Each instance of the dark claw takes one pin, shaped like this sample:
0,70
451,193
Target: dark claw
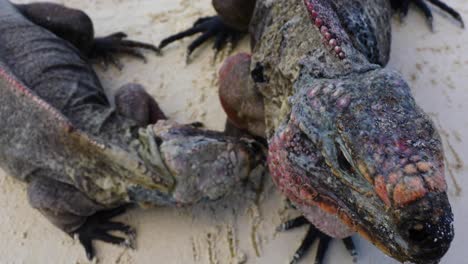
201,20
192,31
427,13
314,234
103,236
443,6
324,242
98,226
198,41
293,223
106,48
311,235
209,27
349,244
197,124
110,59
112,226
118,35
141,45
220,41
132,52
403,6
88,246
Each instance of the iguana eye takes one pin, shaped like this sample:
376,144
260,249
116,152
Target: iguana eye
343,162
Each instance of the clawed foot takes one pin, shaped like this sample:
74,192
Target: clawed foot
312,235
98,226
209,27
105,49
403,5
197,124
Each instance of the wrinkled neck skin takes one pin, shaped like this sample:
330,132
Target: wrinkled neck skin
169,164
143,145
344,133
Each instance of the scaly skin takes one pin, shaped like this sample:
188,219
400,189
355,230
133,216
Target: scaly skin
345,134
80,156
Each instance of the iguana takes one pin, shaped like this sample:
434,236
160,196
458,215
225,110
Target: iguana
348,145
83,160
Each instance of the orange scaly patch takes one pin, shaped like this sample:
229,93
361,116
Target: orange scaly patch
408,190
381,189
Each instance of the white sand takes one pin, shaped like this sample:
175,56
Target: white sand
436,66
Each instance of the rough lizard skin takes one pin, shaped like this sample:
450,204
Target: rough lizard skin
345,134
78,154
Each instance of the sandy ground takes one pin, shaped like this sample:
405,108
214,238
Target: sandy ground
239,229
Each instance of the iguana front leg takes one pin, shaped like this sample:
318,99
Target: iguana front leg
76,27
74,213
232,21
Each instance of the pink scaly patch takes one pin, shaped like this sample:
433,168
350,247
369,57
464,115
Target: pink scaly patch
323,18
319,209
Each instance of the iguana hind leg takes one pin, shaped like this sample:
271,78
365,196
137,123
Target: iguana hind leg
76,27
134,102
74,213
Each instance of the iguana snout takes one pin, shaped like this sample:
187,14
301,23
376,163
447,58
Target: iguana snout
361,149
427,225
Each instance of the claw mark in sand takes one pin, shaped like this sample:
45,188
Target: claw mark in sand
195,255
458,161
255,215
211,254
256,219
457,166
231,241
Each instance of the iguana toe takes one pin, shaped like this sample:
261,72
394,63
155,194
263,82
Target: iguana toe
403,6
106,49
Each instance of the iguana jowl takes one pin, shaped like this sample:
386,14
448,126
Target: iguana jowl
81,157
347,143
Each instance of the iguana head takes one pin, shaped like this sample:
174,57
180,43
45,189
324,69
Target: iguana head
361,149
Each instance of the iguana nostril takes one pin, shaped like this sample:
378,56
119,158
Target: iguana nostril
418,233
428,235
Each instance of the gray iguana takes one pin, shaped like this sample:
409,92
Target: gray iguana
348,146
82,159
